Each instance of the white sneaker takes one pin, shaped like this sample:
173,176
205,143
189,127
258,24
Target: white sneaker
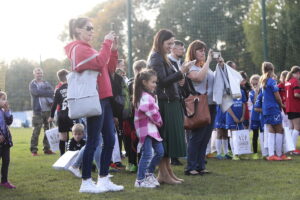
110,175
143,184
106,183
87,186
152,179
75,171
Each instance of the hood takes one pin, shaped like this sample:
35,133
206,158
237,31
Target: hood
70,46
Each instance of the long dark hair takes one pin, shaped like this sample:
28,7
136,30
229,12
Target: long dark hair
158,41
138,86
77,23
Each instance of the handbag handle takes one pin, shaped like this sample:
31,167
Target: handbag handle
196,102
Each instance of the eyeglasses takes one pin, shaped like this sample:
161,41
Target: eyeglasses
89,28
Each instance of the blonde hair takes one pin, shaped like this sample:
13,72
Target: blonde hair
254,77
294,69
77,128
2,93
138,66
267,70
283,76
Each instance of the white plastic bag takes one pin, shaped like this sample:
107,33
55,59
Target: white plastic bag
53,138
66,160
288,143
116,156
241,142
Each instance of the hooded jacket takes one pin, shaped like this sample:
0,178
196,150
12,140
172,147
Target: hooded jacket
104,61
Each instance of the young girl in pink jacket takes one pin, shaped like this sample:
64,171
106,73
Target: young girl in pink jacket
147,119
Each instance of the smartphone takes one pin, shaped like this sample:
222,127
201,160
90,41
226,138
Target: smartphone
112,27
216,54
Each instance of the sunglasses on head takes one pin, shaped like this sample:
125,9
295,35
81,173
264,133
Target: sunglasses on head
89,28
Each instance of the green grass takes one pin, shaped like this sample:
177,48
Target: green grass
37,180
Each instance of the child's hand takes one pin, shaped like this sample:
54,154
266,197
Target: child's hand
236,120
242,120
50,119
6,106
2,139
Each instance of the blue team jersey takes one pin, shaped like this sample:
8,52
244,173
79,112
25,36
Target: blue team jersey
254,114
237,109
269,103
220,120
258,104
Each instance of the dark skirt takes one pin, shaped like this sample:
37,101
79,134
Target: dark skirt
172,130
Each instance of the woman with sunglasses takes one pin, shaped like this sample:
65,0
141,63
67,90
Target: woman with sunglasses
84,57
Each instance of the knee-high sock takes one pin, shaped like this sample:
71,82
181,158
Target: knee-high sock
264,151
271,143
219,146
279,144
295,135
225,145
62,147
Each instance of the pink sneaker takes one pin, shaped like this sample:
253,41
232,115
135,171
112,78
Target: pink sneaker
8,185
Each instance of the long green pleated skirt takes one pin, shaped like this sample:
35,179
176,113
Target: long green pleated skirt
172,130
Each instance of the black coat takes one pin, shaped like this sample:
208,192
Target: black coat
167,88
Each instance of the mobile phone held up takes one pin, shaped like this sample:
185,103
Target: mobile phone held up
216,54
112,27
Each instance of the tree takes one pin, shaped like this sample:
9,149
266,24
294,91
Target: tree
283,26
217,23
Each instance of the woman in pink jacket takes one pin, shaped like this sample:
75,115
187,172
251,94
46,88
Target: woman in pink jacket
84,57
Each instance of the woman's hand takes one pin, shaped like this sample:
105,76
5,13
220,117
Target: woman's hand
209,56
186,66
50,119
220,61
6,106
115,45
110,36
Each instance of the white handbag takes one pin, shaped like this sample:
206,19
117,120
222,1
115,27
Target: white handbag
241,142
82,95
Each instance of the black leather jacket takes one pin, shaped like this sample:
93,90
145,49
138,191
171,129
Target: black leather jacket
167,88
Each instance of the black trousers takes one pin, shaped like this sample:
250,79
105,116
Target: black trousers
5,156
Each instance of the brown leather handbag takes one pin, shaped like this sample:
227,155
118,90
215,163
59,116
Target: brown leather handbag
196,110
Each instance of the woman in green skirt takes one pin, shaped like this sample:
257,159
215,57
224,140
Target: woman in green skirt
171,111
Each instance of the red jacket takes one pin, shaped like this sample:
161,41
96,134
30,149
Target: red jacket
105,63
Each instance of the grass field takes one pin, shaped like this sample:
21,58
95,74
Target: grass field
238,180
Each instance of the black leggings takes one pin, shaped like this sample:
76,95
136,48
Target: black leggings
254,140
5,156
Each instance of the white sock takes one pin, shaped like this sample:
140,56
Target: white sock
231,145
279,144
264,152
271,143
225,146
219,146
295,135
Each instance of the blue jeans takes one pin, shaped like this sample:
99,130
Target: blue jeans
198,140
96,124
148,162
97,156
